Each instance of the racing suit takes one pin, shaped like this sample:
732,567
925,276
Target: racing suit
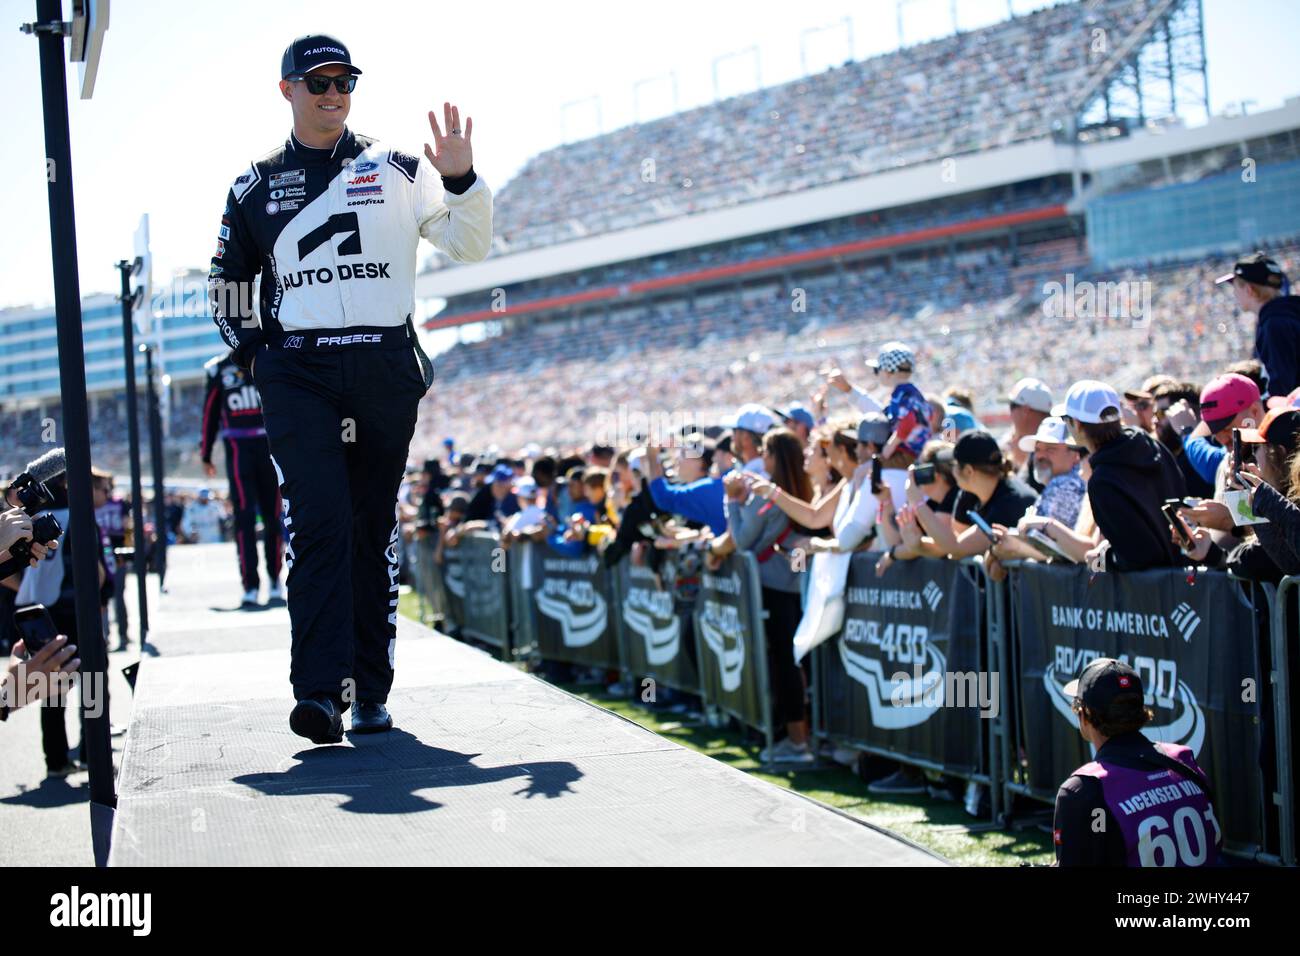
233,408
333,233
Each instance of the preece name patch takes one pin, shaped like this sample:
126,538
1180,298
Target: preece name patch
357,338
324,276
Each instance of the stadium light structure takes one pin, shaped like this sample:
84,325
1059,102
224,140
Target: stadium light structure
636,92
1155,74
846,23
952,15
564,115
758,69
89,21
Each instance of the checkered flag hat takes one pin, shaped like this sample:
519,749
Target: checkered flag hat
893,357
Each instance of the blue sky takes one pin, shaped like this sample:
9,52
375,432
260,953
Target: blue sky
187,92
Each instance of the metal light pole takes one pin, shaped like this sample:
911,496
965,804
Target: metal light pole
50,30
133,440
156,454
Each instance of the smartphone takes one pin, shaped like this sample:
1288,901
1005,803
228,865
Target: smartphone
1236,454
1170,511
1045,545
984,526
35,626
923,474
876,483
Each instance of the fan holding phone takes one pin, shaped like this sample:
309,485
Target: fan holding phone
990,496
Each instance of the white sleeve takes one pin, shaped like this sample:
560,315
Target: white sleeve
862,398
861,520
460,226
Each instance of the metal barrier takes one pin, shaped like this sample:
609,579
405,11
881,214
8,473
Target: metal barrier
731,643
1171,626
1285,621
571,610
656,630
928,617
1038,626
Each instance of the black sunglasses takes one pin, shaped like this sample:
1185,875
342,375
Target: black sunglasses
316,85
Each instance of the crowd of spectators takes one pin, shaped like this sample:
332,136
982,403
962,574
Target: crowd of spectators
1107,443
969,92
982,323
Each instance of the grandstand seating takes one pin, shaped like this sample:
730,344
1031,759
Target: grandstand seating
965,93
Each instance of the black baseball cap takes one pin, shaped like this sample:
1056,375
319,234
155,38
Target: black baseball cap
973,448
1102,682
1257,268
317,49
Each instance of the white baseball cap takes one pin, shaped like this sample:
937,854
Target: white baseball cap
1051,431
1090,401
1031,393
752,417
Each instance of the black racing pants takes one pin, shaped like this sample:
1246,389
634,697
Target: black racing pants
253,489
340,425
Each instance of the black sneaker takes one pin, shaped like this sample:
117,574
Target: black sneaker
67,770
370,718
900,781
318,719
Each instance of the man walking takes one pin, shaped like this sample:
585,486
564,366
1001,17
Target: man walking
233,409
331,219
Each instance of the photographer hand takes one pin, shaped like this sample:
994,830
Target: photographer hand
15,525
16,686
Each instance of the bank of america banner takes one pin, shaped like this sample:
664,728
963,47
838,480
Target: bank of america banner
453,582
1196,648
575,611
656,632
484,599
905,674
729,640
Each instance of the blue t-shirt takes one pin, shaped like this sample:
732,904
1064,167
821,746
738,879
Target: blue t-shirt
909,414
